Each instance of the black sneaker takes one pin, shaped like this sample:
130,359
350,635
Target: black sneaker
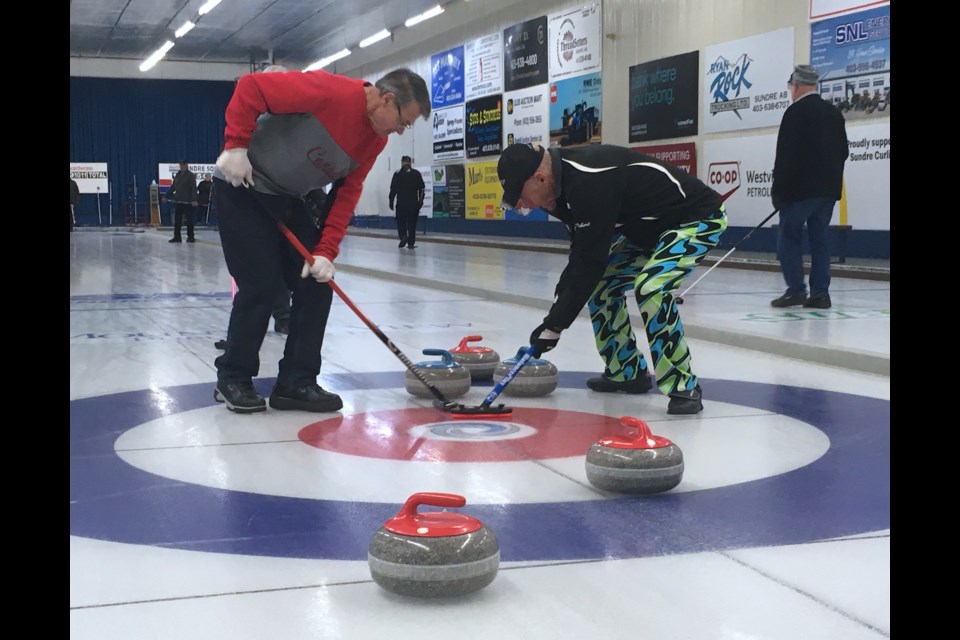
411,246
281,325
686,402
220,344
174,240
402,244
789,300
240,397
819,301
641,384
191,240
305,397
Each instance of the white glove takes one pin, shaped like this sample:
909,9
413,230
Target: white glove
322,269
235,166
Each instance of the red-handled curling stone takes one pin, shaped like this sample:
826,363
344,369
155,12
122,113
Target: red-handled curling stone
434,553
450,377
637,463
481,361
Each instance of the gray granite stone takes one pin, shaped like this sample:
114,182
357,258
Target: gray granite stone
634,470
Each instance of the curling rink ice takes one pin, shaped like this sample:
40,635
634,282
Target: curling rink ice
188,521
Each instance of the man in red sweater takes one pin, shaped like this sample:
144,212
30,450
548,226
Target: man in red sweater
290,135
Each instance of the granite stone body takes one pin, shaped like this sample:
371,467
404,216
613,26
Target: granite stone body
450,377
634,470
538,377
434,567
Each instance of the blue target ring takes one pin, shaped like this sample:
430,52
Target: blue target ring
844,492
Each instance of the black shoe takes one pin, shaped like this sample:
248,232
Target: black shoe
306,397
191,240
411,246
220,344
819,301
686,402
788,300
605,385
240,397
174,240
402,244
281,325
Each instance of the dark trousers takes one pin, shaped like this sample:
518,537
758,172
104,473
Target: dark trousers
182,211
815,213
407,223
258,255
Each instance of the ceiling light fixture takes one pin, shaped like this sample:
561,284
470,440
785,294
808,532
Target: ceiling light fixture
157,56
426,15
377,37
183,30
319,64
210,4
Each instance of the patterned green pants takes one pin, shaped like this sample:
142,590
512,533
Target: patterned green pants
654,278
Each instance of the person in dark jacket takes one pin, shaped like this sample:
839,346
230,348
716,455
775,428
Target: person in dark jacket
634,223
185,196
74,199
407,189
203,197
807,183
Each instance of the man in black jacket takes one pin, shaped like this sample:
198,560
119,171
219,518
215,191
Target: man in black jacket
807,183
634,223
185,196
407,189
74,199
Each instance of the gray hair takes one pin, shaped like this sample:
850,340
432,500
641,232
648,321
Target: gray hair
408,87
274,67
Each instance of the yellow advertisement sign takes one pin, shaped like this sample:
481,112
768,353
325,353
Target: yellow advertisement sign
484,192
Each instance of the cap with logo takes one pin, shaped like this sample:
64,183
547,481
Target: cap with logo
804,74
517,164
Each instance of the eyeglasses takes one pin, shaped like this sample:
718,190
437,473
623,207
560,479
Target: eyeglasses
403,123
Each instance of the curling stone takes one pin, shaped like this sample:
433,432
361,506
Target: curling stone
537,378
450,377
434,553
637,463
481,361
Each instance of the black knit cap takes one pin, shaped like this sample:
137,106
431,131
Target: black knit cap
517,163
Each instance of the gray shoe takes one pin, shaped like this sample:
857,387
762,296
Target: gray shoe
819,301
789,300
642,384
240,397
306,397
686,402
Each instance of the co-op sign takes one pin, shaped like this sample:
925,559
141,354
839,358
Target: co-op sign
724,177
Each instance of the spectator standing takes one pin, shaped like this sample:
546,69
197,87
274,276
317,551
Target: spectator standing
807,183
407,189
185,198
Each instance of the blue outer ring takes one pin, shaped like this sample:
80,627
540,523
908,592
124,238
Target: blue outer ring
844,492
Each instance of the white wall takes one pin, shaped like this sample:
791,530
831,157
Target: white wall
634,31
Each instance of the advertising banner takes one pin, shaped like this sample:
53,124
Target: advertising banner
745,81
427,208
484,192
446,76
526,116
575,111
664,98
525,54
682,154
575,41
852,55
483,58
484,126
91,177
448,132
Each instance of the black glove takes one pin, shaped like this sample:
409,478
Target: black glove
543,340
777,204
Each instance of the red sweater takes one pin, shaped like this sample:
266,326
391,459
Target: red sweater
303,131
